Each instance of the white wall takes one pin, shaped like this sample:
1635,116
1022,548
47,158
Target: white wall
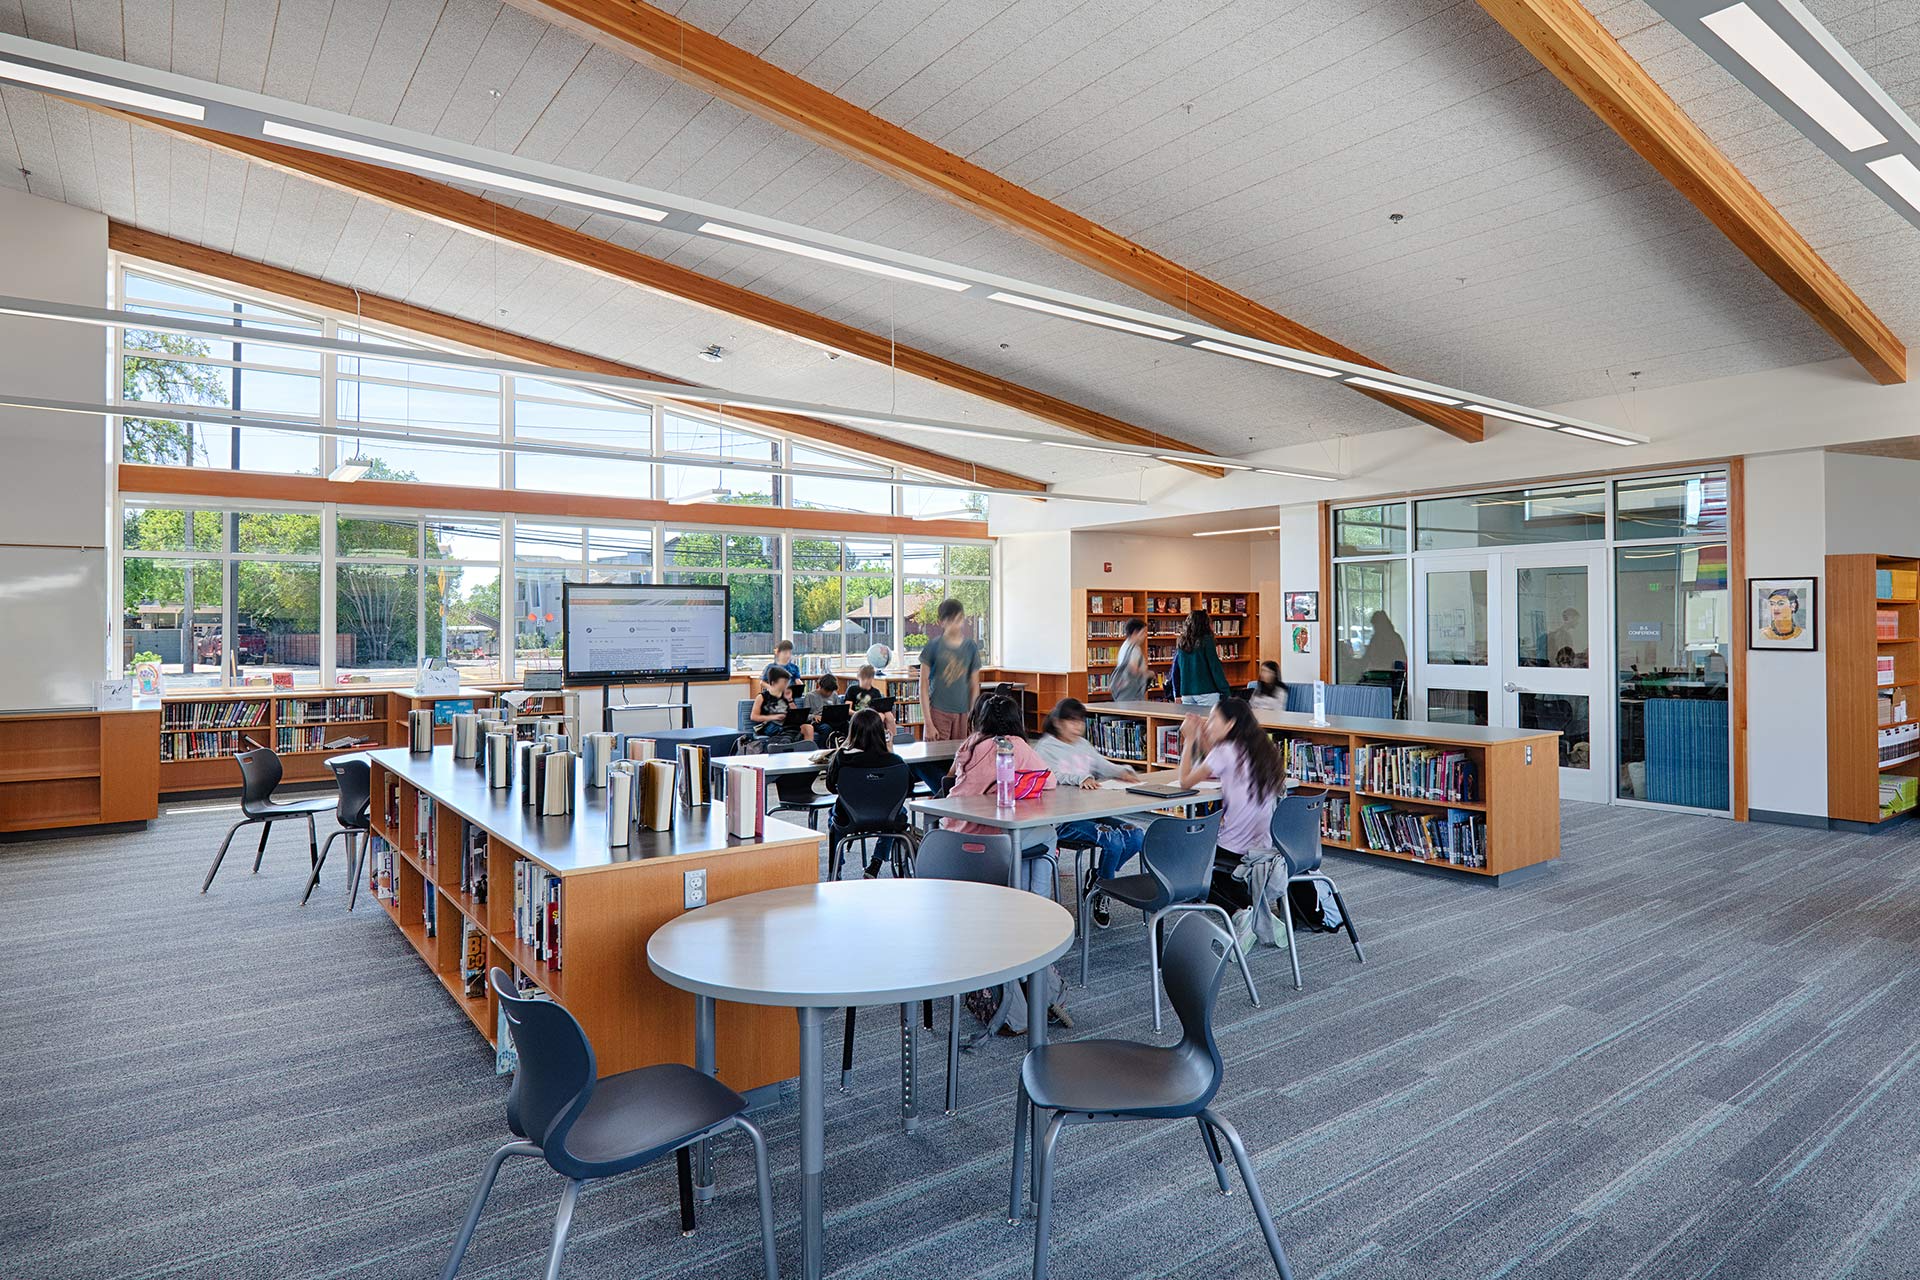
1036,602
55,500
1786,522
1300,571
1872,507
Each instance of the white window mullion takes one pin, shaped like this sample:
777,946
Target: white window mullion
328,639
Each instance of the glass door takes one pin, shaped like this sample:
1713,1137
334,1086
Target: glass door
1455,619
1553,660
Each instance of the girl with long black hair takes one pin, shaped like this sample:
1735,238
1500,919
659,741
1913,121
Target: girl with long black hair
1230,746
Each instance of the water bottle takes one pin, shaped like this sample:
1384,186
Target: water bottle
1003,774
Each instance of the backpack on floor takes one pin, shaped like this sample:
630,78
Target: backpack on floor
1312,903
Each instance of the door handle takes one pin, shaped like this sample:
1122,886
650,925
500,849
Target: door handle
1511,687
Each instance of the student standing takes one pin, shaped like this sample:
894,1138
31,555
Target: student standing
865,748
783,657
949,675
1063,745
1130,673
769,711
1197,672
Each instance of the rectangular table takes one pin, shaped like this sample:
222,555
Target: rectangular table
786,763
1060,805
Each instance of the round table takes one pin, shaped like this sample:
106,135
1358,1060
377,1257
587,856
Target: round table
820,947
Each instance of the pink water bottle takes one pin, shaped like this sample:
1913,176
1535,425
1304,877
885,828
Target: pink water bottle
1003,774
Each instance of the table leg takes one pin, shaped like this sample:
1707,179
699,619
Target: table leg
703,1060
909,1068
1036,1037
813,1143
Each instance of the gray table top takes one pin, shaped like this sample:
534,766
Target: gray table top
813,760
1366,726
576,843
1064,804
860,942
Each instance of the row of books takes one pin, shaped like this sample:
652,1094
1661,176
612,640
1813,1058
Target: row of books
290,739
1896,584
201,745
473,861
1901,742
1103,654
1315,762
390,804
1898,792
1336,820
426,829
1424,773
1170,604
1225,604
1883,669
227,714
1121,737
1099,682
1109,604
1166,744
1456,837
1229,651
325,710
380,870
536,910
1103,629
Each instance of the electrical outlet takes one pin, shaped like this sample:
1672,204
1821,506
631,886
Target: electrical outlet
696,894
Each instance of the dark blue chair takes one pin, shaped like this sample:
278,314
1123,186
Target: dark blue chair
1103,1081
260,775
1296,834
587,1128
354,812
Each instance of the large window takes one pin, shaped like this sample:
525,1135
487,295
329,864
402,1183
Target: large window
749,565
933,572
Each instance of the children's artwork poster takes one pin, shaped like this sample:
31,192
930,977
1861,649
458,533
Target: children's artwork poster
1302,639
1303,606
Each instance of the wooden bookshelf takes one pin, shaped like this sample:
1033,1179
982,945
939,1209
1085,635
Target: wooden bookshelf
611,899
1039,689
1871,621
1236,625
1517,775
78,769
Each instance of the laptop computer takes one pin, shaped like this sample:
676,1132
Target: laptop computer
795,717
1162,790
835,715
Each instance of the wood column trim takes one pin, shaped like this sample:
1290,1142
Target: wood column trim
693,56
154,247
1737,625
1570,42
448,204
255,486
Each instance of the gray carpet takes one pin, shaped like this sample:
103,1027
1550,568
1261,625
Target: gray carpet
1688,1052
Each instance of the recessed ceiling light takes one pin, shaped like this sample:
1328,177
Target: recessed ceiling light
60,82
1748,35
743,236
1394,389
1090,317
1511,416
1241,353
1902,175
474,174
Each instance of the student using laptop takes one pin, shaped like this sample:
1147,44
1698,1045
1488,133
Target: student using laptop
774,716
866,692
825,691
1063,745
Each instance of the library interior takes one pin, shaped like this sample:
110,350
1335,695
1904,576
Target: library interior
858,617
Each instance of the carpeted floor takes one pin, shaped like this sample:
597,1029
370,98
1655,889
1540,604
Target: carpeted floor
1689,1051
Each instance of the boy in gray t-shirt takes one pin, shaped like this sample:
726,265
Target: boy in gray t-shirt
949,676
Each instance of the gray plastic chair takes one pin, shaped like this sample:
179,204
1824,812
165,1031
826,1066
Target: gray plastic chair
947,855
354,812
1296,834
874,805
1102,1081
1177,874
259,775
590,1128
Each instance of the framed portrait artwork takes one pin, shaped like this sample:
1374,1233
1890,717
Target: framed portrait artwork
1303,606
1785,614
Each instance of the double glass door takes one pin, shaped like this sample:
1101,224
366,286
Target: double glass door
1512,639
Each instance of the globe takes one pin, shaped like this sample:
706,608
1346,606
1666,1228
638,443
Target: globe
879,655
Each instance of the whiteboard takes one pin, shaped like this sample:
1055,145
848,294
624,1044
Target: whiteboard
53,627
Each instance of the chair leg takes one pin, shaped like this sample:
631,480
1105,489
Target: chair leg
313,881
1226,922
1017,1199
1086,930
1346,919
1293,943
360,841
261,852
313,842
953,1055
220,857
480,1201
770,1259
1240,1158
1153,953
562,1223
683,1162
926,1014
1213,1155
1043,1217
846,1054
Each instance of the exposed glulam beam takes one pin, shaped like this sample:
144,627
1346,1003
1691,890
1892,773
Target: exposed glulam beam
703,60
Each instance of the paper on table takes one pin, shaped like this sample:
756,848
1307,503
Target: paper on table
1211,784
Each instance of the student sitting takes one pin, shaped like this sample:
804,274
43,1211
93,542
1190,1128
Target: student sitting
866,747
1063,745
769,712
1269,692
1229,745
997,719
825,690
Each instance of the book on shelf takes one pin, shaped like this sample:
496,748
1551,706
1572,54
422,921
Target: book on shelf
1100,629
1225,604
380,881
390,804
1103,654
1099,682
1418,773
1121,737
232,713
1898,793
1316,762
1883,668
1896,584
1336,818
473,862
536,910
1166,744
1886,624
324,710
430,911
425,830
201,744
473,959
1892,707
746,802
1900,742
1455,837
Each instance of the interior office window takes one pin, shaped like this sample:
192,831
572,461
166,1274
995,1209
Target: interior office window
1674,645
1371,611
1517,517
552,412
1377,530
1682,506
1550,626
819,493
1456,618
700,440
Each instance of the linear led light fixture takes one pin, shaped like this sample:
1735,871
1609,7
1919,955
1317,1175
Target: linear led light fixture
957,513
1374,384
98,90
1222,533
354,468
362,431
1604,437
699,495
1791,62
244,114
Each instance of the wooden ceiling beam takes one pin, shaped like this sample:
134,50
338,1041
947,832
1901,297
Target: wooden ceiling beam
1570,42
696,57
450,205
322,293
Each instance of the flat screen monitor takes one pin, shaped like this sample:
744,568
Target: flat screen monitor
639,632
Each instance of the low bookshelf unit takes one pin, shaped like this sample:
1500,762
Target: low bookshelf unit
1872,638
475,879
1236,631
1484,802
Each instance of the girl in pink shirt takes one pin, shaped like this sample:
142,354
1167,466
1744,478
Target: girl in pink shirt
997,717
